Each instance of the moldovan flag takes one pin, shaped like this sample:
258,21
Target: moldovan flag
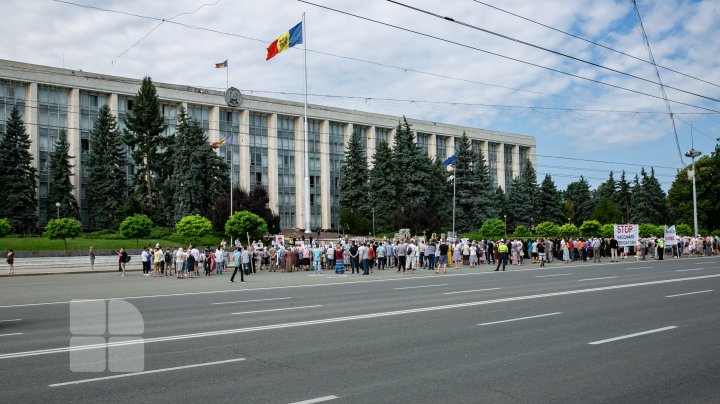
286,40
221,64
219,143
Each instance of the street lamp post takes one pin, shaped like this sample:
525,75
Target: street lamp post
505,216
373,211
692,154
57,205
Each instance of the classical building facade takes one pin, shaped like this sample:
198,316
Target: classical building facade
265,135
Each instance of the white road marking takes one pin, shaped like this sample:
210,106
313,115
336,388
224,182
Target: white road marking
469,291
147,372
595,279
637,268
691,293
8,335
686,270
282,309
548,276
424,286
316,400
521,318
341,319
637,334
256,300
7,321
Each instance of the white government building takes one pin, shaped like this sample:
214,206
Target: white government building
269,150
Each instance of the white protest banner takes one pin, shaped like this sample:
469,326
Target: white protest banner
626,234
670,235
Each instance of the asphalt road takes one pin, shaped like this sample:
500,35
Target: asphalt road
641,332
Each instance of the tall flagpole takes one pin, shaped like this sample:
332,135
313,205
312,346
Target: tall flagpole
229,145
305,128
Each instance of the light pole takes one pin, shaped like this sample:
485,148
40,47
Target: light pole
692,154
373,222
505,216
57,205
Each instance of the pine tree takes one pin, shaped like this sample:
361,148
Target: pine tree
655,201
549,203
528,180
60,189
353,178
639,206
578,193
144,136
383,187
622,198
607,189
501,202
467,197
518,202
415,186
106,175
199,176
487,207
18,178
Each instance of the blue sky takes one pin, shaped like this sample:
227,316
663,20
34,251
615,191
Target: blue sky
349,63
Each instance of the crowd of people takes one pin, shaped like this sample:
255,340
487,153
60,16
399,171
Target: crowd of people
406,256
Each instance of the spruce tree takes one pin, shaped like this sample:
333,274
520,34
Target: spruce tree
199,176
106,172
487,207
382,187
655,199
468,199
415,186
60,189
622,198
607,189
353,178
518,202
639,205
578,193
145,125
550,206
18,178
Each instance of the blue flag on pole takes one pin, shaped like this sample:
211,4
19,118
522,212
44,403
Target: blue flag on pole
450,160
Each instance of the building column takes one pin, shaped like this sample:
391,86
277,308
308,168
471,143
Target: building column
432,145
501,165
484,147
325,209
299,173
449,146
391,137
244,142
371,146
73,135
31,118
347,135
214,125
113,104
273,186
516,160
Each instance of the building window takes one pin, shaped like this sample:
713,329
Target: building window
286,170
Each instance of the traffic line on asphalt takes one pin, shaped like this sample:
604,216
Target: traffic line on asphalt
521,318
691,293
627,269
7,321
341,319
11,334
423,286
281,309
317,400
691,269
548,276
596,279
637,334
147,372
469,291
256,300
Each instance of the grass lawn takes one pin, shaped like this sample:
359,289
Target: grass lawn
42,243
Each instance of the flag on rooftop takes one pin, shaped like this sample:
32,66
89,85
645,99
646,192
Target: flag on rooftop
287,40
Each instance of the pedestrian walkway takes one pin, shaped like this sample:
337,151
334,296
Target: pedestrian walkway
67,265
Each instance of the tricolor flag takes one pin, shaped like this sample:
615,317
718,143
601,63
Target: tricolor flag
220,143
221,64
286,40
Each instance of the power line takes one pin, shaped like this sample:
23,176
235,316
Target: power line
660,83
499,55
594,43
532,45
405,69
